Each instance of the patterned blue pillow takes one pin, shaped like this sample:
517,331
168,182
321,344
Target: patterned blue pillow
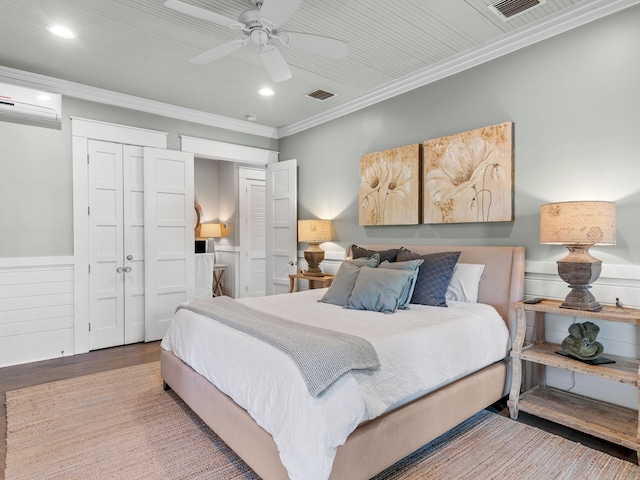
434,276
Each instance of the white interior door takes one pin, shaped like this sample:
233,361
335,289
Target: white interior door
252,237
169,236
116,218
133,234
281,225
106,278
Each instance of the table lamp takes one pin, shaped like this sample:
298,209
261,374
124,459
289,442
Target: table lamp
210,231
578,226
314,232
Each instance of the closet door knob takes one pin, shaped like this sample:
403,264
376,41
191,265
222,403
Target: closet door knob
127,269
129,257
119,269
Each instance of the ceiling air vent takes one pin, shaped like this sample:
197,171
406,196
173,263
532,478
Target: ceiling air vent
507,9
320,95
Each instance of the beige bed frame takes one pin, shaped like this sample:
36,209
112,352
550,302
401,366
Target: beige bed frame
378,443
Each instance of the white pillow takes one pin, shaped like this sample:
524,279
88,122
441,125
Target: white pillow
464,283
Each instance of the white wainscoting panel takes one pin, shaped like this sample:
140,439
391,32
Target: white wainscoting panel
36,309
230,256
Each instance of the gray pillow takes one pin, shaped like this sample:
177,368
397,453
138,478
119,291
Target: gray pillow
380,289
410,265
434,276
371,261
389,255
342,285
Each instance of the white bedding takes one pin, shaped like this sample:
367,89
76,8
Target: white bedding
420,350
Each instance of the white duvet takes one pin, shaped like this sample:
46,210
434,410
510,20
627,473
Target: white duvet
420,350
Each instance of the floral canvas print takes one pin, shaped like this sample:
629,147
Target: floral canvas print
468,177
389,187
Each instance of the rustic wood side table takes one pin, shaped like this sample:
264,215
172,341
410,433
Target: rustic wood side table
325,280
611,422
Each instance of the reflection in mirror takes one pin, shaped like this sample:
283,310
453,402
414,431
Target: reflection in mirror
197,219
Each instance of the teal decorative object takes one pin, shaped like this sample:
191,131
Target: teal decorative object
581,342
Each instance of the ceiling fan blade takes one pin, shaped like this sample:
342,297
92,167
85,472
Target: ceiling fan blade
217,52
278,11
275,64
198,12
329,47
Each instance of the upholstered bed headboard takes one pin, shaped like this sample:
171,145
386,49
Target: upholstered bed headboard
502,282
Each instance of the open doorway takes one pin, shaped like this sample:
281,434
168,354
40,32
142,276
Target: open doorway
234,195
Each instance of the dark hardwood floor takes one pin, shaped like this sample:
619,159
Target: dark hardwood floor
21,376
568,433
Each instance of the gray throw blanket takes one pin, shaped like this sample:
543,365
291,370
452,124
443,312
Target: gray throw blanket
322,356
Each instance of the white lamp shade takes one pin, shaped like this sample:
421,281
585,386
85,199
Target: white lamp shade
578,223
314,231
210,230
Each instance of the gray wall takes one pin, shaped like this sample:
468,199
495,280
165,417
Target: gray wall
228,208
36,184
206,188
217,192
575,103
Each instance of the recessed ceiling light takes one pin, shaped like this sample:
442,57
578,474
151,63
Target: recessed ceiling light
266,92
61,31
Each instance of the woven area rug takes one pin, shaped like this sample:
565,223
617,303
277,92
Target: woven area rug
121,425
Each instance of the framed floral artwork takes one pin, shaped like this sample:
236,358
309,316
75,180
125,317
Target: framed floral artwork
390,187
468,177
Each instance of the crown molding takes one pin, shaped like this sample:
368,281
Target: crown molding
108,97
576,16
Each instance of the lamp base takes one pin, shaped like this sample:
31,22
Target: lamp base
314,255
579,269
580,298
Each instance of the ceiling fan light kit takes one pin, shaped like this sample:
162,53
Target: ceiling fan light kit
260,26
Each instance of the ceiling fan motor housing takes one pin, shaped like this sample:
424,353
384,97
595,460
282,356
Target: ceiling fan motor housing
258,32
251,18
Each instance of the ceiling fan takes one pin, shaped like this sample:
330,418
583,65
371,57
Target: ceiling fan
261,28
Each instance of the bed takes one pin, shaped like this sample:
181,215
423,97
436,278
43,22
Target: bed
384,433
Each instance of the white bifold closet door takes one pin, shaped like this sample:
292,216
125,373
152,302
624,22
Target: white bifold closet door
169,237
116,244
124,308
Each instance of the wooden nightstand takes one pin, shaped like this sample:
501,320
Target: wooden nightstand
601,419
324,280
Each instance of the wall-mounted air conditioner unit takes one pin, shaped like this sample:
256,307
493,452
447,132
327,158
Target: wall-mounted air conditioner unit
31,107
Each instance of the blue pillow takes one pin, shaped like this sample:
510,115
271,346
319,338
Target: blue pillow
342,285
434,276
411,265
380,289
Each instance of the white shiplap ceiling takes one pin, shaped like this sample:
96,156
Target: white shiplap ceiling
135,53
